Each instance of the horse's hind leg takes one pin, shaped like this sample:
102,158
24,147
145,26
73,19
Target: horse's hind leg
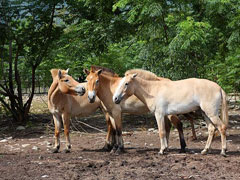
222,129
66,124
213,122
57,123
178,124
189,117
194,136
211,131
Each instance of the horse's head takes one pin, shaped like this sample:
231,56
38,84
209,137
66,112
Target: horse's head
66,83
92,83
125,88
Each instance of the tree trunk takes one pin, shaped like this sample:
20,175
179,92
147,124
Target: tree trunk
27,105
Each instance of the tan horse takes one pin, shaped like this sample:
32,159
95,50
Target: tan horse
63,103
178,97
144,74
103,86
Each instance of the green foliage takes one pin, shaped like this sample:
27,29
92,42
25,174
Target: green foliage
28,29
175,39
189,48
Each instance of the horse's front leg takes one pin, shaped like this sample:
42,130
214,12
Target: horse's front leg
110,140
57,124
66,124
119,147
162,132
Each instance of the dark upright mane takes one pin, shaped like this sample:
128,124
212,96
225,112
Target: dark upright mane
105,70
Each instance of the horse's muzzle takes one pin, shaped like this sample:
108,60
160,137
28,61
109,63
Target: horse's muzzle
91,96
117,100
80,90
91,100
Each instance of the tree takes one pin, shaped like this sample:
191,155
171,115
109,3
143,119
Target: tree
28,28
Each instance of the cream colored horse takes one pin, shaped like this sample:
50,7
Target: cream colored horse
64,102
179,97
144,74
103,86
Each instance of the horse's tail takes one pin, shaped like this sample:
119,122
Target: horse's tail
224,109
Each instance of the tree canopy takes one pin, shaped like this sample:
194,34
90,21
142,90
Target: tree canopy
174,39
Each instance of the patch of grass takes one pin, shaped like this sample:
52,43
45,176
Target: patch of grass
39,105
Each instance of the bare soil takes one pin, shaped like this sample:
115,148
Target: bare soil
26,154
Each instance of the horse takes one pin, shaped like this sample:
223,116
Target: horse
153,77
64,102
103,86
179,97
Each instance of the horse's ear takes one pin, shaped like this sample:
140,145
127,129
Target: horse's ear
86,71
59,74
54,73
99,71
67,70
134,75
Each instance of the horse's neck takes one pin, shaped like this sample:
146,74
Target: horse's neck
52,89
105,89
53,93
142,90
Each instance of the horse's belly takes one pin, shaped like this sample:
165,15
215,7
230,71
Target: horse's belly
82,111
181,108
134,107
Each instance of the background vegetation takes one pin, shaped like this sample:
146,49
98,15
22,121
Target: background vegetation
174,39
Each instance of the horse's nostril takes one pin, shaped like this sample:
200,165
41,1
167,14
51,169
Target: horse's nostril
116,98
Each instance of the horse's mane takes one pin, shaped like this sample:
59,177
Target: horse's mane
144,74
54,72
105,70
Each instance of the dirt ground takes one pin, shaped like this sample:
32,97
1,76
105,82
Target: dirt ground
26,154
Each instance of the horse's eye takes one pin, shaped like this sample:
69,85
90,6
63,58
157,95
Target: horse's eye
97,81
126,84
66,80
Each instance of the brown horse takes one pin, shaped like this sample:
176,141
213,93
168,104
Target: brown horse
63,103
179,97
103,86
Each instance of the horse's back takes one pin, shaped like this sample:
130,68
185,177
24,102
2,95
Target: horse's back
191,91
204,87
196,84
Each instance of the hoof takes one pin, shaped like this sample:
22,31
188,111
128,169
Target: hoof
162,152
107,147
223,153
114,149
204,152
182,151
55,150
119,151
66,151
